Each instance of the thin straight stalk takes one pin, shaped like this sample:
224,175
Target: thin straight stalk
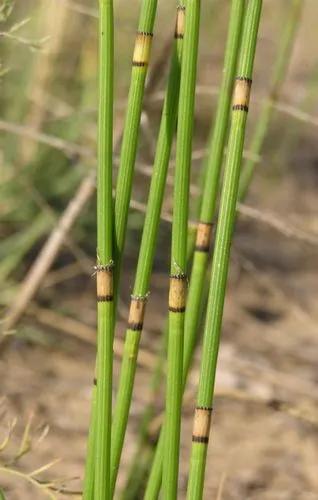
88,487
146,252
145,450
220,262
100,434
141,57
201,243
211,183
178,279
278,77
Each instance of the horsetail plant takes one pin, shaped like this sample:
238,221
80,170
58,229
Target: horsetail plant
141,56
279,73
140,61
146,252
220,262
208,203
145,449
178,279
100,434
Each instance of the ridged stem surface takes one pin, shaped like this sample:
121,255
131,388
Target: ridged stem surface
178,280
100,432
220,263
140,62
146,253
208,203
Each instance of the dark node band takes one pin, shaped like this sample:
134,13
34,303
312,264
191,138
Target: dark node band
205,408
95,381
244,79
240,107
200,439
181,7
202,248
139,63
106,267
178,276
105,298
145,33
203,223
177,309
135,327
178,36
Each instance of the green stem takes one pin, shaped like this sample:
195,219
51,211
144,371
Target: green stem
140,63
88,487
145,449
100,434
220,263
208,204
277,81
146,257
179,249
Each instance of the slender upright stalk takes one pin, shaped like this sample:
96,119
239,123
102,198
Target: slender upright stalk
208,202
146,252
278,77
102,406
211,183
128,152
88,487
145,450
141,56
220,263
178,279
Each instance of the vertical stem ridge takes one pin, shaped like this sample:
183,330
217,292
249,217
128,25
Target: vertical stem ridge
222,248
100,432
146,253
207,210
178,280
140,61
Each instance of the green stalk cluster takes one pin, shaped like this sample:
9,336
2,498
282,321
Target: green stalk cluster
220,263
146,252
208,204
278,77
140,62
178,280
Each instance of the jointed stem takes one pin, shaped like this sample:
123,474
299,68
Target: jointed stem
178,280
141,57
100,432
201,247
221,255
146,253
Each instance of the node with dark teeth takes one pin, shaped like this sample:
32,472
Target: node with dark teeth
203,237
137,313
201,426
179,31
242,91
177,293
104,280
142,49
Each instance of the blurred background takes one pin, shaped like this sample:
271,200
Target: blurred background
264,435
